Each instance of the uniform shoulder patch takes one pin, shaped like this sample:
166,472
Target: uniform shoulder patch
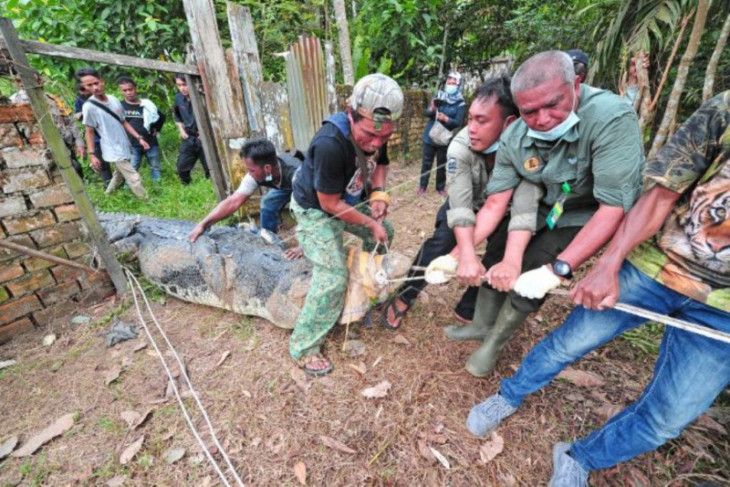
452,164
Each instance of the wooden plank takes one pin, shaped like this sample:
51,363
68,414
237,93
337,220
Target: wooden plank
206,138
228,117
61,155
331,86
246,52
277,121
78,53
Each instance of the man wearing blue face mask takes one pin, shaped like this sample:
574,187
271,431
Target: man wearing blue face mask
470,160
580,148
264,167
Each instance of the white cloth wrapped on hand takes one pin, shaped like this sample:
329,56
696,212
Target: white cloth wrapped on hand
535,284
441,269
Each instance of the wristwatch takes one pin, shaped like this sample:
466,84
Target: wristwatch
562,269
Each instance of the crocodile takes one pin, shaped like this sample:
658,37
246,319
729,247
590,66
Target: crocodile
237,270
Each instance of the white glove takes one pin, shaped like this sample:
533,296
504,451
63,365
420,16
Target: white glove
536,283
441,269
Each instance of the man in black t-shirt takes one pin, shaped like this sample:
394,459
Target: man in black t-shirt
263,168
341,186
191,148
143,115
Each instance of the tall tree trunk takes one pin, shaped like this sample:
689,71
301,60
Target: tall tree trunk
707,91
642,104
344,34
443,52
670,113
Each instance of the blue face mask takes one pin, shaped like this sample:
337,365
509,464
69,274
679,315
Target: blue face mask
559,130
451,89
492,148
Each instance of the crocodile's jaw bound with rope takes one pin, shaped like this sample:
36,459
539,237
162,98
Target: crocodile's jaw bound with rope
226,267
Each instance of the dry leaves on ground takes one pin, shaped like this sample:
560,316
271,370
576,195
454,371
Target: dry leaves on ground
173,455
112,375
401,340
380,390
440,457
360,367
300,471
223,358
426,452
59,427
336,445
131,451
491,448
8,446
581,377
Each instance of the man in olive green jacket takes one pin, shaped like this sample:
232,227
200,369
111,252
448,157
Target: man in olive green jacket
579,148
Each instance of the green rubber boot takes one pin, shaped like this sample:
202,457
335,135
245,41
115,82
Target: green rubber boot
482,361
488,304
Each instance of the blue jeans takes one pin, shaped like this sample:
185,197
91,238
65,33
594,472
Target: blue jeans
689,373
153,158
271,205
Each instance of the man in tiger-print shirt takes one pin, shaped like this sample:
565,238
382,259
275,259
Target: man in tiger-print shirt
683,271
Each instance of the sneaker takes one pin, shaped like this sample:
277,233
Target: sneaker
566,471
486,416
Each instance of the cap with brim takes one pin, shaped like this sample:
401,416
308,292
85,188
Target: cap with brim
376,92
578,56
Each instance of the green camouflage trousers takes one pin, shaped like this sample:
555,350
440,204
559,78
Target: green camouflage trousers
321,239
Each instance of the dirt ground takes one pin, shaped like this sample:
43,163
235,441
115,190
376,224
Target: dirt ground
273,422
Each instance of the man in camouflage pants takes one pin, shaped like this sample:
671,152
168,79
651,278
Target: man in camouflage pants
345,166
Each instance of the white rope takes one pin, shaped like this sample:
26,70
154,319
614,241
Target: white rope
184,374
663,319
367,202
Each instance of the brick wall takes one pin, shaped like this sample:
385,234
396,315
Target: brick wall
37,211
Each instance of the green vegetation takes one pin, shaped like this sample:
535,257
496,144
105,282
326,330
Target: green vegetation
109,425
34,470
645,338
412,40
169,198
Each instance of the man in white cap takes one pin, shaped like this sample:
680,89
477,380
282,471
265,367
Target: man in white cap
341,186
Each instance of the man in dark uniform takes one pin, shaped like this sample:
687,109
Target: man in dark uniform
191,148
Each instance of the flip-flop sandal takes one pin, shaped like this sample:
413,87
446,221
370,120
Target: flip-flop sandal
306,361
396,312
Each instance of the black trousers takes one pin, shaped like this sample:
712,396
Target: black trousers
106,171
542,249
428,152
440,243
191,150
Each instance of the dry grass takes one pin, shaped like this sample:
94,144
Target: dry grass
268,419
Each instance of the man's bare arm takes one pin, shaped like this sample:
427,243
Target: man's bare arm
599,289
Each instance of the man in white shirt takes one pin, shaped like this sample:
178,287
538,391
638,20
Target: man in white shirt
104,113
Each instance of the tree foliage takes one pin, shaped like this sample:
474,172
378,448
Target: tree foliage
404,38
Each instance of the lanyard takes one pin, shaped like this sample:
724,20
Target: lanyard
557,210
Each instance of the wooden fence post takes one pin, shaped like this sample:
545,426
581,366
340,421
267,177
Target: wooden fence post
53,139
246,53
227,115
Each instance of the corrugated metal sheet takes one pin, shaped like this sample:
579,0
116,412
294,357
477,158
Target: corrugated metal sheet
307,87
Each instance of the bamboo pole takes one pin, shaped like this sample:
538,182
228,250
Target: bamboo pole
60,153
46,256
670,112
709,84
